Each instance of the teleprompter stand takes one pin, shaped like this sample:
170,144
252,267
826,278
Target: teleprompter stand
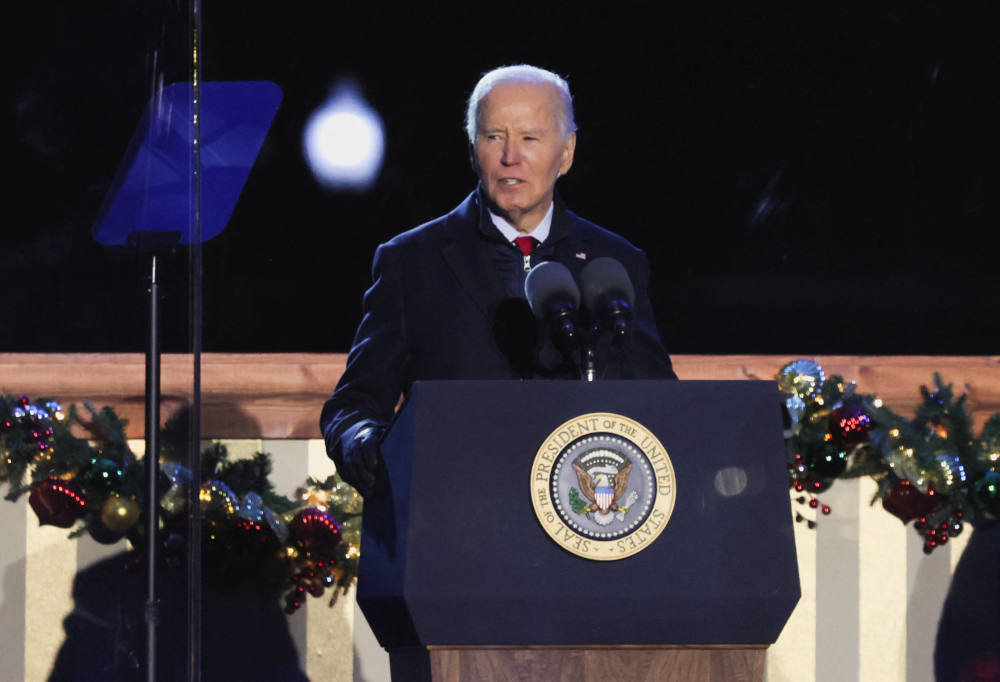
455,562
177,186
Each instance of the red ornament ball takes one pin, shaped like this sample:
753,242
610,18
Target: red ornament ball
905,501
57,502
317,532
849,424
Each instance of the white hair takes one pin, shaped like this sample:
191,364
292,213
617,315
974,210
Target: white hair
520,73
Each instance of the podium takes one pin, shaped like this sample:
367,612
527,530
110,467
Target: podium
456,562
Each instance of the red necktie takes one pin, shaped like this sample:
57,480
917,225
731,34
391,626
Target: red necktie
526,244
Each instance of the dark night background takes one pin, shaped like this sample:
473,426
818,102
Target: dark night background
804,179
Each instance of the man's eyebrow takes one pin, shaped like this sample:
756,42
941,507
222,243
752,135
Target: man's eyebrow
533,132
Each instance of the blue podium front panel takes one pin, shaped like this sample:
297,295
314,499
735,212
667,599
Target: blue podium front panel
453,553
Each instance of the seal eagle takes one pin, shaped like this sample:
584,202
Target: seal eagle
602,489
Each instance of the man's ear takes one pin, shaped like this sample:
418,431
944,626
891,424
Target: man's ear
569,147
472,159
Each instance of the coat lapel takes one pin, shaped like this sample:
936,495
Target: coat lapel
466,251
572,249
467,254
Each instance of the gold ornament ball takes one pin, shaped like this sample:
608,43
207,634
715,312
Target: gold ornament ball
119,513
4,460
174,501
904,464
351,531
345,498
803,378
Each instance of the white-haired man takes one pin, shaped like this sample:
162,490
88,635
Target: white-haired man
447,299
522,135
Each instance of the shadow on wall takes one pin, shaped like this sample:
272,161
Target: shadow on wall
245,634
968,638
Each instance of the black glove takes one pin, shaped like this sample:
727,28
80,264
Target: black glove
362,458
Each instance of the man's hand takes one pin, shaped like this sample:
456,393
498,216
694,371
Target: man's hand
361,460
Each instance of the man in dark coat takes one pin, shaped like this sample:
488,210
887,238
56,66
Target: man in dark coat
447,299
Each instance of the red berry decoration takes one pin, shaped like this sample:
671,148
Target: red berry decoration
850,424
817,485
57,503
317,532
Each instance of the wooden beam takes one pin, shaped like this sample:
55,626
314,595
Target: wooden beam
279,395
894,378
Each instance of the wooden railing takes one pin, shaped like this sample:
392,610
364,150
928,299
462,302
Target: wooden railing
279,395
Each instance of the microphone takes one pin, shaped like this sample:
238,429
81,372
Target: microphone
554,297
608,294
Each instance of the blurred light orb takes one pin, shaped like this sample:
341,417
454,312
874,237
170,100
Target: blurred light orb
344,141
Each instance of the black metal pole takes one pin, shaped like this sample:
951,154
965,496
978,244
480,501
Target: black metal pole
194,575
152,458
589,362
194,463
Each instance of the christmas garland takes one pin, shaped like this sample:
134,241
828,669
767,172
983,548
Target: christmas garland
930,469
250,535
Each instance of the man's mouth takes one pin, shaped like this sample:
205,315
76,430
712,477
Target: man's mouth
509,181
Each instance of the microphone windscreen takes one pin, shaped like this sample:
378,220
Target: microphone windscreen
547,281
603,276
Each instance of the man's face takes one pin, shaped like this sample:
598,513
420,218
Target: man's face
520,150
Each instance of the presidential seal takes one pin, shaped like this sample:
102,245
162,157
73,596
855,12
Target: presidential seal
602,486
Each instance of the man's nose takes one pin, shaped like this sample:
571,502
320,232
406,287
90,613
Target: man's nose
511,153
